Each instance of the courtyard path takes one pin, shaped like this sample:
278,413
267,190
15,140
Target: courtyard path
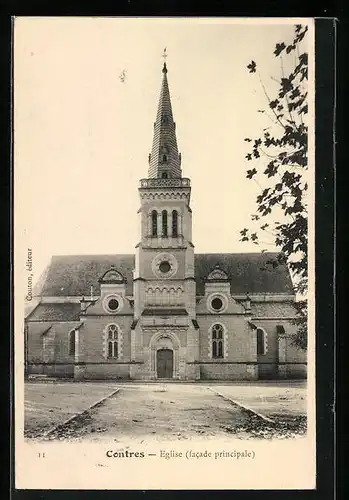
161,411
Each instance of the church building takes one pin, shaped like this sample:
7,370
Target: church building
164,312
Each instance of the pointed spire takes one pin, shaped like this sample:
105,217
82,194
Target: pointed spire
164,160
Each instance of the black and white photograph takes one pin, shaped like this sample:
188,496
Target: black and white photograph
164,253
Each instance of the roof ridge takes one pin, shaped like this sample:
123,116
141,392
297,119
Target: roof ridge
111,255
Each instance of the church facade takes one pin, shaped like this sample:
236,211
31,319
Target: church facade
164,312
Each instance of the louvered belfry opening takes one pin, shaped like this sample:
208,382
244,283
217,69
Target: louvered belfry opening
165,161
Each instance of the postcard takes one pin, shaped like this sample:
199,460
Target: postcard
164,182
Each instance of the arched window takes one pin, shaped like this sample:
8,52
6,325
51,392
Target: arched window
72,343
164,223
280,330
112,341
164,175
164,158
154,223
175,223
217,341
260,341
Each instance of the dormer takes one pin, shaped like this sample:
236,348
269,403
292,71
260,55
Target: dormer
113,290
218,299
217,280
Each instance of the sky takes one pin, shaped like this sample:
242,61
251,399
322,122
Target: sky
82,136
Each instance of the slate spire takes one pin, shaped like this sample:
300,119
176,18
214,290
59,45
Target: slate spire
164,160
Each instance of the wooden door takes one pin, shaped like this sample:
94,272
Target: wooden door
164,363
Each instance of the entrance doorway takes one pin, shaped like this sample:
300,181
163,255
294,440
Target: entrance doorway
164,363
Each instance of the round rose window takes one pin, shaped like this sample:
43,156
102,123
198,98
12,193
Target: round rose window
165,267
217,304
113,304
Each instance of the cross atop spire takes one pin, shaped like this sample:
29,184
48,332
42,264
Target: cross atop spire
164,160
164,55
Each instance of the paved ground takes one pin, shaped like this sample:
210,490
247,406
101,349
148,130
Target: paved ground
272,399
47,405
163,411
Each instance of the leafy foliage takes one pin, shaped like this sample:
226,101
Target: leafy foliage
280,156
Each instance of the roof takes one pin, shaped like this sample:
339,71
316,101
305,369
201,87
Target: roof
56,312
273,309
247,272
73,275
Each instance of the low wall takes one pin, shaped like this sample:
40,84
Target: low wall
296,370
228,371
51,370
268,371
106,371
194,371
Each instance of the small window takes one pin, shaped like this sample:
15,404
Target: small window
154,223
113,304
164,175
217,303
164,223
217,341
72,343
164,158
260,341
165,267
280,330
175,223
112,340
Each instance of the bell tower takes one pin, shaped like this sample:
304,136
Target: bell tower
165,194
164,281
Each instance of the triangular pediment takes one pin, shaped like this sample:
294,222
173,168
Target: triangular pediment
217,274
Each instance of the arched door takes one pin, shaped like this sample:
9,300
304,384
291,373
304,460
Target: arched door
164,363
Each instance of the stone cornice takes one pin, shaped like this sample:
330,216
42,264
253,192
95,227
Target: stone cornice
165,195
254,298
273,318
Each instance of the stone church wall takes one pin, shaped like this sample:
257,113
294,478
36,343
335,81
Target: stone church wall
35,340
93,337
295,360
93,348
237,347
268,362
48,353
